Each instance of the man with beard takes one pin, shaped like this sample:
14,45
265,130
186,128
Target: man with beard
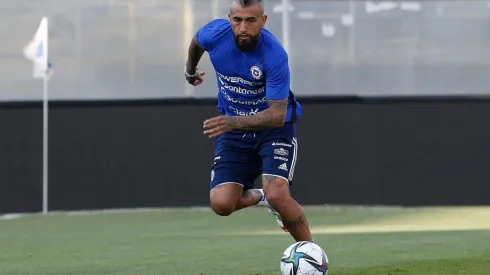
255,133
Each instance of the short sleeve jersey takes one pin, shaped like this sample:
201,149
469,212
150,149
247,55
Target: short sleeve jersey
247,80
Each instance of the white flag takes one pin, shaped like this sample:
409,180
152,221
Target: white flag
37,51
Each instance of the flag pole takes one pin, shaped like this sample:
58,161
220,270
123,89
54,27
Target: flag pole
37,51
45,145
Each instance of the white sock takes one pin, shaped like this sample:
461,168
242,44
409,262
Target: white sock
263,201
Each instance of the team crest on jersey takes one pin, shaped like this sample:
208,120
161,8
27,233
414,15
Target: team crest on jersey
256,72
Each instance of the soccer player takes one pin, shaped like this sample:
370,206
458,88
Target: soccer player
255,133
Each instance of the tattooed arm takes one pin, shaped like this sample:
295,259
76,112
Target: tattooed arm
272,117
277,94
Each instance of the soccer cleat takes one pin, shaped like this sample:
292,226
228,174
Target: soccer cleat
278,219
263,202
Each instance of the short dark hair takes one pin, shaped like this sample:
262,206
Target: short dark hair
247,3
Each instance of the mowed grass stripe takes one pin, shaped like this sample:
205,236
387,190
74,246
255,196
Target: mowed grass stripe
198,242
415,220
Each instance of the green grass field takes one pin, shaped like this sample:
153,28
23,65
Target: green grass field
367,241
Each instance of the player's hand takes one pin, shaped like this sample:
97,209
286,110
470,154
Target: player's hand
196,80
219,125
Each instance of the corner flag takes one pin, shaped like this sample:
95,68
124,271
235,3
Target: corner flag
37,51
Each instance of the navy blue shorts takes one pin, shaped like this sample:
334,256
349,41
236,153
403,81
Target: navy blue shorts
241,157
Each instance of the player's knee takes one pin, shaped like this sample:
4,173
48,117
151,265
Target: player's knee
277,199
222,208
224,198
277,193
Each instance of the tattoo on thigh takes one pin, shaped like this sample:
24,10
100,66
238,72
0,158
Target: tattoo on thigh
297,222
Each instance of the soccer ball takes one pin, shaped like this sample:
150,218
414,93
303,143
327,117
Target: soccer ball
304,258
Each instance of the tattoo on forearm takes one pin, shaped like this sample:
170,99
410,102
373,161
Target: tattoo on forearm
270,118
296,223
279,104
261,120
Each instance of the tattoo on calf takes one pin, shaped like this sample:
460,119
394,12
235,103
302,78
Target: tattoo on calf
270,179
249,193
296,223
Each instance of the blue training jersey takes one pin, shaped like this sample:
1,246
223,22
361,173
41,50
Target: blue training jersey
246,80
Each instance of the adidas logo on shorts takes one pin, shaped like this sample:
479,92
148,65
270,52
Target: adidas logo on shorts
283,167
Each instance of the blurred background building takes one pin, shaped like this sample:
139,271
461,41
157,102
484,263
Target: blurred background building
115,49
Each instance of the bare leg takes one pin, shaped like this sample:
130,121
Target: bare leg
249,198
276,191
224,198
229,197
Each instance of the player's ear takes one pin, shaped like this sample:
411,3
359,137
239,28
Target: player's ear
264,20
